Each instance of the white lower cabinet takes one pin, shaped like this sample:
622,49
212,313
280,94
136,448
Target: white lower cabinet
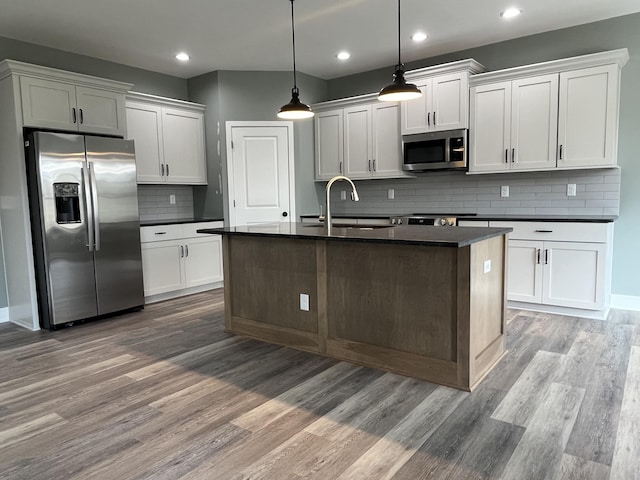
177,261
552,264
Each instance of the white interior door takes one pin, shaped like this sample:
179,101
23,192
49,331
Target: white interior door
260,172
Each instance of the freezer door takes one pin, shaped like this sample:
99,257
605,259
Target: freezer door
118,261
63,257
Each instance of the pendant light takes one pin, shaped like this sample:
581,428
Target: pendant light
399,89
295,109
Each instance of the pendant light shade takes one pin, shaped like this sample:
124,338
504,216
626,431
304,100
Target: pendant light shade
399,90
295,109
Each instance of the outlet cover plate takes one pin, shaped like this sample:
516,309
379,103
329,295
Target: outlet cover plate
304,302
571,189
504,191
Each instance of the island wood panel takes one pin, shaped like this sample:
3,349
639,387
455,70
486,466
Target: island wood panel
400,297
486,306
267,276
410,309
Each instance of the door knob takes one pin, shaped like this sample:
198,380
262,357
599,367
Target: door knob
284,214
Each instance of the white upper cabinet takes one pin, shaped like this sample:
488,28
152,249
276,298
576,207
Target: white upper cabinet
361,140
588,117
444,104
170,139
66,101
565,117
514,125
329,126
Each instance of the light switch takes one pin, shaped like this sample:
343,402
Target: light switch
304,302
487,266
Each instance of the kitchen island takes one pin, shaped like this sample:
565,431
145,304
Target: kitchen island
423,301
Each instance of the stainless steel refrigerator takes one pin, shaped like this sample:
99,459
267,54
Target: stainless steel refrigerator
85,225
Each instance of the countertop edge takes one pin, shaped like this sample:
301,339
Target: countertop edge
494,232
178,221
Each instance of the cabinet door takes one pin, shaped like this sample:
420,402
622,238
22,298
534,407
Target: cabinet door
534,123
48,104
450,102
162,267
357,141
144,126
387,155
574,274
203,260
183,141
100,111
588,117
490,130
329,144
525,271
414,112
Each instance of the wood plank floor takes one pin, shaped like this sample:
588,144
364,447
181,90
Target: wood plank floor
166,394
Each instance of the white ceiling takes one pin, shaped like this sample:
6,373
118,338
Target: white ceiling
256,34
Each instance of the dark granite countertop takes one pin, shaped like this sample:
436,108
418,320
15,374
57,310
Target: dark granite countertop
153,223
495,217
413,235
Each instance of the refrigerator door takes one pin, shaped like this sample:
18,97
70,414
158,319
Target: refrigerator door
66,269
118,261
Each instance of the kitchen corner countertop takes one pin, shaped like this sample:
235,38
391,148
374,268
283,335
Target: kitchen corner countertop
153,223
489,217
454,237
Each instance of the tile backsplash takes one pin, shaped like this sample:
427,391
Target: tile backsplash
530,193
153,202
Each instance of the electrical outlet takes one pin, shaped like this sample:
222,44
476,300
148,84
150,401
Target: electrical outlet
504,191
304,302
571,190
391,194
343,194
487,266
172,199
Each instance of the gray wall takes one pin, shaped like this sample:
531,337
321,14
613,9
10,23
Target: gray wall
595,37
253,96
143,80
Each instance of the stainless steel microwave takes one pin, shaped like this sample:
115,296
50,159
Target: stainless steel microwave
435,151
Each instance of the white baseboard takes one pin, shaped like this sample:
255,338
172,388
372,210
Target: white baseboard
625,302
4,315
181,293
571,312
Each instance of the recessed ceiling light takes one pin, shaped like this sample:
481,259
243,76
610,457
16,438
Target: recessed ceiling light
183,57
419,37
343,55
511,12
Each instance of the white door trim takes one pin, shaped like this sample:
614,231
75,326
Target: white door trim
229,125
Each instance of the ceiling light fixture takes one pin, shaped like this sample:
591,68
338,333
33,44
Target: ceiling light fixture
295,109
511,12
343,55
183,57
419,37
399,90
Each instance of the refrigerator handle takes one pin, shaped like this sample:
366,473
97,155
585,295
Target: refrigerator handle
96,212
88,208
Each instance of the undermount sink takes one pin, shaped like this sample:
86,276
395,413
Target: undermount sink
353,226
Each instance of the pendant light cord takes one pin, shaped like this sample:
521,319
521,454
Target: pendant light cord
399,59
293,38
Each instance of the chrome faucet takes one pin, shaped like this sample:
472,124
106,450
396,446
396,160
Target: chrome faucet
354,197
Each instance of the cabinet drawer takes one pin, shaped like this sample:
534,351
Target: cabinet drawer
558,231
160,232
473,223
190,229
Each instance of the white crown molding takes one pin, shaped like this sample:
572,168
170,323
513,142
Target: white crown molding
468,65
620,57
163,101
12,67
